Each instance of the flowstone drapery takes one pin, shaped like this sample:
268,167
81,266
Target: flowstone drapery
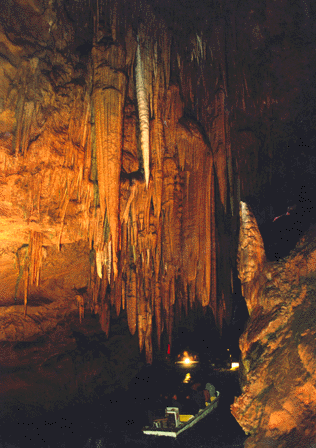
136,129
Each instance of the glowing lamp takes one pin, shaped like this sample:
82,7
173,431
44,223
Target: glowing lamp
234,365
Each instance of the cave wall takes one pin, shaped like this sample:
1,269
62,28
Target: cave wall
277,406
128,134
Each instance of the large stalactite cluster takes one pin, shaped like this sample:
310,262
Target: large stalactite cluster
118,125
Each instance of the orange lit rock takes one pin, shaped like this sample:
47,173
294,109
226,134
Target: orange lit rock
278,401
76,218
72,170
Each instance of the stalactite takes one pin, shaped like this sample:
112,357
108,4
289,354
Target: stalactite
71,183
126,212
99,260
158,314
29,258
95,284
105,305
26,288
181,207
141,312
157,193
118,293
190,243
205,268
123,294
125,265
213,293
63,214
170,324
36,243
172,292
164,230
219,145
143,110
148,339
109,84
229,163
184,294
105,318
156,135
19,119
131,301
165,302
80,118
154,244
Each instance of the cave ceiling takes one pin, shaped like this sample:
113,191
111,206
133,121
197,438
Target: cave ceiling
129,132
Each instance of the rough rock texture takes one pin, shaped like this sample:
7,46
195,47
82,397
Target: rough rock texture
224,90
278,347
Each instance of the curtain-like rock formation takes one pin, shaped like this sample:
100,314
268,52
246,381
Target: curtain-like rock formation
278,402
72,136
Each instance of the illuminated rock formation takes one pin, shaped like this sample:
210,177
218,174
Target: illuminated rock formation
93,220
278,402
73,172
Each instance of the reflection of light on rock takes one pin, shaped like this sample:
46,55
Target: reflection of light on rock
187,378
234,365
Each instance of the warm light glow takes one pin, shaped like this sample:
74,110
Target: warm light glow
187,378
187,359
235,365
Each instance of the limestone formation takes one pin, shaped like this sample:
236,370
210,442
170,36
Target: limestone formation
129,133
278,347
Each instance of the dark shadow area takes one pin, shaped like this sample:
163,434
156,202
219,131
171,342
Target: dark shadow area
285,207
